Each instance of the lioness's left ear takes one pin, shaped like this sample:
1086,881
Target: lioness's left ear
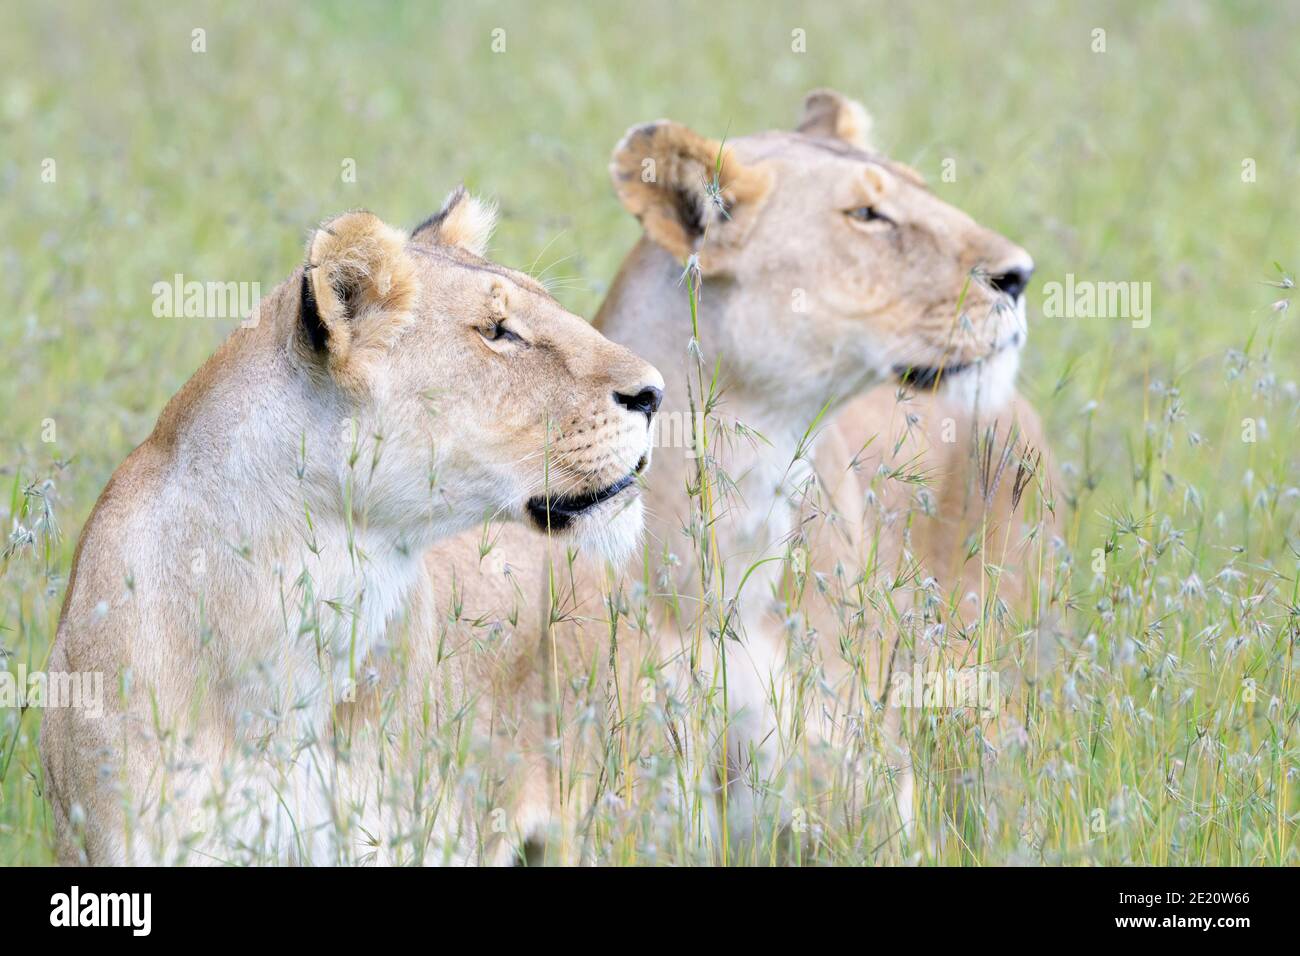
835,116
358,289
464,220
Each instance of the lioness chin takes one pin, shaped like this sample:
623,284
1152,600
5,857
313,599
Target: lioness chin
827,271
251,553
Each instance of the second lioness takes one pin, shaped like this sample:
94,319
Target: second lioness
826,269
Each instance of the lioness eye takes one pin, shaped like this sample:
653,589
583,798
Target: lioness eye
498,332
868,214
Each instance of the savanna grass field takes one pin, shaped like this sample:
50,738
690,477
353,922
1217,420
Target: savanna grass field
1150,144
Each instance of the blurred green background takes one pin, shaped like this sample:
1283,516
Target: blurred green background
1122,165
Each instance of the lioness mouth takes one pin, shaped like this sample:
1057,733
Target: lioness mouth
555,514
927,376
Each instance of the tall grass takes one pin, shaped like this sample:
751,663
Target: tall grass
1166,732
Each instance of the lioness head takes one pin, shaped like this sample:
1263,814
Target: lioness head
471,391
812,239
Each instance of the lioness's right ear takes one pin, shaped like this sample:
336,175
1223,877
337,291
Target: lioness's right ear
832,115
464,220
684,187
358,288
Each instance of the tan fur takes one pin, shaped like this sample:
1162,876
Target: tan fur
261,543
799,305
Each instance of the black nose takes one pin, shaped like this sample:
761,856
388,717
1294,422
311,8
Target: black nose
1013,281
645,401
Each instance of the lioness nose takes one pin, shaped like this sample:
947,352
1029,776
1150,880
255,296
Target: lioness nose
645,401
1013,281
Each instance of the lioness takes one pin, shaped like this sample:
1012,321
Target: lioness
826,269
251,553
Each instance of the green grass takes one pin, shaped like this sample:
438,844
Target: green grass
1122,165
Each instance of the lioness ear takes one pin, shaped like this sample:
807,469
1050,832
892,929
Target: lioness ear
684,188
358,287
464,220
835,116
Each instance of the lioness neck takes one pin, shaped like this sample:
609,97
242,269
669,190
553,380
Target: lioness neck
648,310
256,530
